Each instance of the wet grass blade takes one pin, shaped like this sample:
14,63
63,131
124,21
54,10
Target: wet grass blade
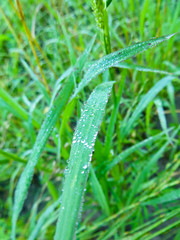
148,97
80,157
123,155
141,68
43,135
112,59
98,193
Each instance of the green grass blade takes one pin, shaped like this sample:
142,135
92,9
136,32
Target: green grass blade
58,83
43,135
15,107
110,130
160,220
148,167
141,68
123,155
169,228
112,59
14,157
171,95
148,97
161,114
167,197
80,157
98,193
35,78
42,219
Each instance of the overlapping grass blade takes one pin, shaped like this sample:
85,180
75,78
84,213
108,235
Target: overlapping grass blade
35,78
141,68
148,167
148,97
43,135
171,95
14,157
161,219
112,59
98,193
80,157
15,107
42,219
161,114
164,198
123,155
110,130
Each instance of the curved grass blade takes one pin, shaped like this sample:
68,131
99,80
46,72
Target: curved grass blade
141,68
171,95
167,197
15,107
152,161
112,59
110,130
123,155
35,78
80,157
98,193
159,220
161,114
148,97
43,135
14,157
42,220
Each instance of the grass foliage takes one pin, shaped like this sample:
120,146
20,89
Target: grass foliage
89,99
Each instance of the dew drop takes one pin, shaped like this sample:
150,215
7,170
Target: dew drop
85,166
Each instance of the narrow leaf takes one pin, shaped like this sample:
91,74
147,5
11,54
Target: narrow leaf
80,157
42,219
148,97
112,59
15,107
148,168
168,197
123,155
43,135
141,68
98,193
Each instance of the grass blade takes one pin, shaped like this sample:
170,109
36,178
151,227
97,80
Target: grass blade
149,96
37,81
123,155
42,219
98,193
141,68
112,59
43,135
15,107
111,127
152,161
80,157
161,114
167,197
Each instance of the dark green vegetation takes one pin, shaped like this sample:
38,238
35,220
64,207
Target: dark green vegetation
55,84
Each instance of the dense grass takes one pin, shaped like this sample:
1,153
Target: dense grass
57,126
